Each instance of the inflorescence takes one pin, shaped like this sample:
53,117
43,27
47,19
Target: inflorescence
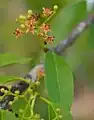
37,24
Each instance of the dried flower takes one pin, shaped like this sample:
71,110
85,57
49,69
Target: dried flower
47,12
45,28
49,39
31,29
18,32
31,23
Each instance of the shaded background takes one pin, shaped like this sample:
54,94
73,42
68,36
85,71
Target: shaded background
80,56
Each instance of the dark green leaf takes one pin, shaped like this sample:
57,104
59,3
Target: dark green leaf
8,59
5,115
59,80
19,104
91,36
23,105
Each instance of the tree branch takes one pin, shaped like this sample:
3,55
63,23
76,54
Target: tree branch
58,49
64,44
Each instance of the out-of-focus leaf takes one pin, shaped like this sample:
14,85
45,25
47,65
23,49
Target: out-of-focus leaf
38,5
19,104
91,36
8,59
23,105
5,79
59,80
76,52
67,116
5,115
67,19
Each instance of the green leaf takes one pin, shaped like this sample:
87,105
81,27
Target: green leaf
59,80
67,19
51,113
91,36
67,116
5,115
5,79
19,104
8,59
38,5
22,104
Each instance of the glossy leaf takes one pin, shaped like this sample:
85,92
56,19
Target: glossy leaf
59,80
8,59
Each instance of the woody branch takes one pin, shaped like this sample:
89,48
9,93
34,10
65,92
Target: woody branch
59,49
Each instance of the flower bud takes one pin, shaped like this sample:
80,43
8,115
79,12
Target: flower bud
2,90
16,98
30,90
58,110
37,116
28,16
55,7
21,17
37,83
22,26
6,91
17,92
10,102
30,12
60,116
21,111
9,87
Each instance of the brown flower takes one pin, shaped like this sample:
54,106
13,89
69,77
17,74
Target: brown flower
45,28
18,32
50,39
47,12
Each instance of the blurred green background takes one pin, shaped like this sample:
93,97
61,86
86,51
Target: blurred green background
80,56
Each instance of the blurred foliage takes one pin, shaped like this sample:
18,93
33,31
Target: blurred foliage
8,59
70,13
4,115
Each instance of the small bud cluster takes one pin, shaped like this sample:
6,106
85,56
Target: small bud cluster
58,114
31,23
3,91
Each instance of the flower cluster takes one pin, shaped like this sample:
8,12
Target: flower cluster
31,23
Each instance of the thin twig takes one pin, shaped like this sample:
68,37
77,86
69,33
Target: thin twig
64,44
58,49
